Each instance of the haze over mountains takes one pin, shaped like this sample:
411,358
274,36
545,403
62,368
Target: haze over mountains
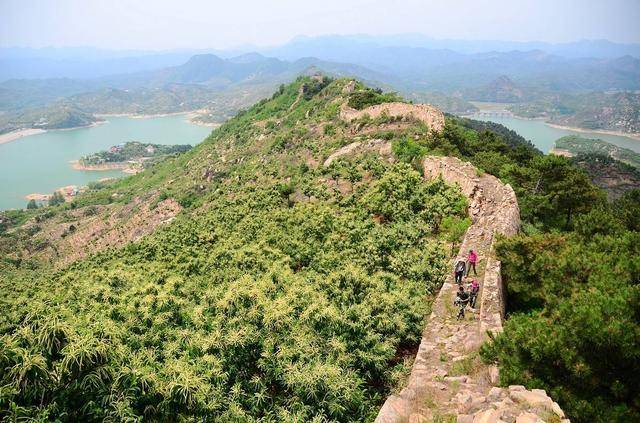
87,62
539,77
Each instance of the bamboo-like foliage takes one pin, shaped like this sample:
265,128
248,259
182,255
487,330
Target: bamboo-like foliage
265,304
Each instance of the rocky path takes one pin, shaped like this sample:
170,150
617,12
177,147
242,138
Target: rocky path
448,382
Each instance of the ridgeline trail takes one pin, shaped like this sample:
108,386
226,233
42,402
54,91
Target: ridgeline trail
448,382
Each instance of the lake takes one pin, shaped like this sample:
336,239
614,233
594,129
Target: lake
40,163
543,136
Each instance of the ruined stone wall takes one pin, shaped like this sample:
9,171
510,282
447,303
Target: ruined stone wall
493,207
430,115
435,387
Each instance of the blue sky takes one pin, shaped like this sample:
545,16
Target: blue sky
161,24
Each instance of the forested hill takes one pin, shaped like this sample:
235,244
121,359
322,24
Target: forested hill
258,278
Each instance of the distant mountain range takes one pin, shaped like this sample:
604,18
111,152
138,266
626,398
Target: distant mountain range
428,68
577,49
414,49
219,86
251,68
547,81
204,73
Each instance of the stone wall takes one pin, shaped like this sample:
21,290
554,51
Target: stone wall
430,115
435,387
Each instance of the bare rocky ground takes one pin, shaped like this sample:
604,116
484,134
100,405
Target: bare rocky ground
79,233
448,382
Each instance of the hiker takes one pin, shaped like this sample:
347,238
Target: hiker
472,260
462,298
458,271
474,289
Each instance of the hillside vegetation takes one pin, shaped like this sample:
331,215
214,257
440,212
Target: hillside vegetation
283,289
614,169
275,296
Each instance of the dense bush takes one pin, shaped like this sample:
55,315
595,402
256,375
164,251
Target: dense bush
252,310
362,99
289,291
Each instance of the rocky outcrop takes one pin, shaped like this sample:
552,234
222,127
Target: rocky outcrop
106,227
447,378
426,113
382,147
512,404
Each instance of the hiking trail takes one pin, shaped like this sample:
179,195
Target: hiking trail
448,382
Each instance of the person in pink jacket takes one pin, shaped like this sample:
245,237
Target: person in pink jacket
474,289
472,259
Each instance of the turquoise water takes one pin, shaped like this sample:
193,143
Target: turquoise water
543,136
40,163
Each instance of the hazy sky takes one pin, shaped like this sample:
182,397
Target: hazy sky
161,24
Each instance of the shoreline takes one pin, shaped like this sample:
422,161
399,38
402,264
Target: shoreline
634,136
123,166
142,116
631,135
67,192
20,133
560,152
205,124
62,190
190,114
512,116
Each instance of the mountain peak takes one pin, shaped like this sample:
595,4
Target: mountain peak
203,60
252,57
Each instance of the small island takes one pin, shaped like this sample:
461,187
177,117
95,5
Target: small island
130,157
573,145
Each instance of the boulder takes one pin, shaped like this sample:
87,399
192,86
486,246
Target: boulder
494,394
527,417
531,398
487,416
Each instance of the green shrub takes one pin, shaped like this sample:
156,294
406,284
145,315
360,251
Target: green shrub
408,150
362,99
